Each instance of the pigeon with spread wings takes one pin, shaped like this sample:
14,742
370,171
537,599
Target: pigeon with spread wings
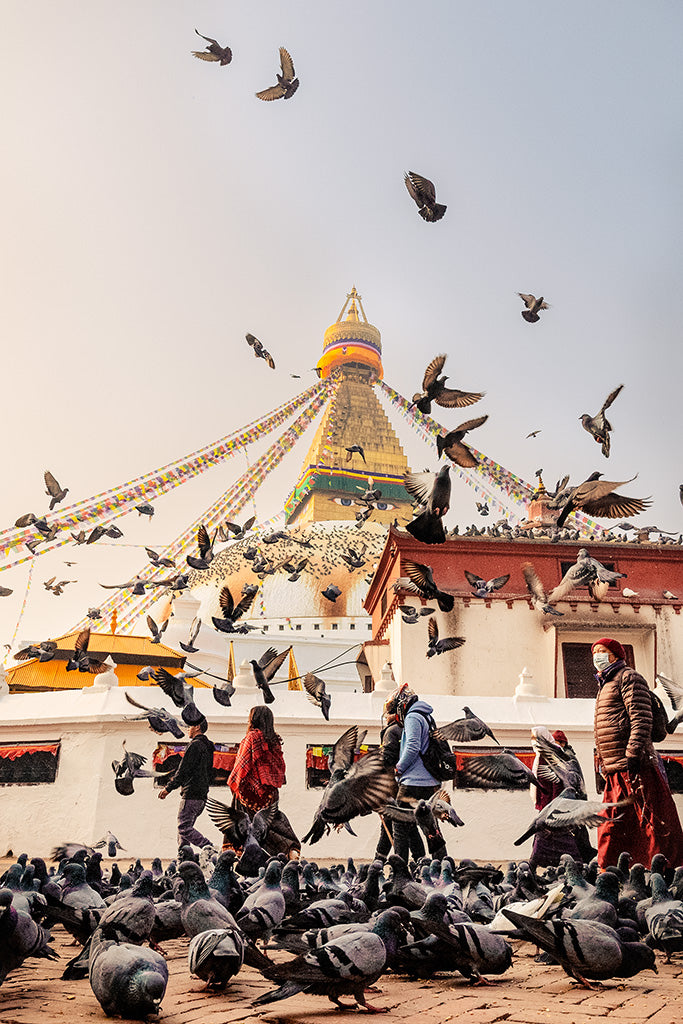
433,491
451,443
586,572
537,594
54,492
205,545
156,631
259,351
189,647
436,646
423,192
265,668
465,730
434,390
482,587
81,660
420,580
287,82
158,719
174,686
355,788
597,498
316,692
231,611
496,771
44,651
533,305
598,426
214,51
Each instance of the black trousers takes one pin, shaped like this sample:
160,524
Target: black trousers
407,838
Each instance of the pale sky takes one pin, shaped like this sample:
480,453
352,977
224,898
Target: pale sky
154,211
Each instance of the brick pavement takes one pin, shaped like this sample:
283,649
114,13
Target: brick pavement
528,993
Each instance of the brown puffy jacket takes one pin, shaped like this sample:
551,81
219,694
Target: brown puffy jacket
623,720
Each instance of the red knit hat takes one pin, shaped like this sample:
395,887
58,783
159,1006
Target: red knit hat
560,737
612,645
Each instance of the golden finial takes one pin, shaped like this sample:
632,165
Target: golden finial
114,620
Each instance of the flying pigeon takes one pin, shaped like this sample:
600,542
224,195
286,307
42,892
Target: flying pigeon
465,730
159,720
136,585
452,445
331,592
111,842
598,426
81,660
484,588
44,651
287,84
259,351
436,646
533,305
434,390
6,591
156,631
589,572
433,490
537,593
265,668
420,580
205,545
54,491
128,769
422,191
214,51
145,509
355,449
231,611
174,686
240,532
158,561
566,814
597,497
189,647
496,771
317,693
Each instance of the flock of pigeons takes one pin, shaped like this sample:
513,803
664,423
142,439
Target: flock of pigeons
331,932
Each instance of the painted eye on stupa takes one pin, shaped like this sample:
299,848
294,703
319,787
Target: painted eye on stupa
383,506
346,502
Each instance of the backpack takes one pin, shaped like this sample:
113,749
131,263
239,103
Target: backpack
660,719
437,758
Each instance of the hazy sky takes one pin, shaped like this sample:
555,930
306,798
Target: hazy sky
153,211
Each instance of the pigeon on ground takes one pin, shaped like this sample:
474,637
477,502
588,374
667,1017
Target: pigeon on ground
566,814
422,191
598,426
597,497
216,956
434,390
356,449
189,647
20,937
159,720
200,911
533,305
331,592
420,580
465,730
484,588
437,646
354,788
231,611
539,598
451,444
264,909
128,981
664,919
316,692
587,572
205,545
214,51
433,491
265,668
54,492
349,965
585,949
81,660
287,84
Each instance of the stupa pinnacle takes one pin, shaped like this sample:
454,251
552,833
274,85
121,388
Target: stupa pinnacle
353,348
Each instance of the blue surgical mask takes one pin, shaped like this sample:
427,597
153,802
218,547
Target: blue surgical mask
601,660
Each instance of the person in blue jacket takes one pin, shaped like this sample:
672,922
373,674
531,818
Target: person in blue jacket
415,782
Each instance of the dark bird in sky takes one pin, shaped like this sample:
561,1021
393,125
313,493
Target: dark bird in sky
353,559
433,491
156,631
231,611
539,598
189,647
104,531
331,592
422,191
205,545
533,305
58,588
484,588
265,668
317,693
420,580
44,651
355,449
465,730
174,686
434,390
598,426
587,572
5,591
159,720
214,51
436,646
533,433
136,585
81,660
94,613
223,694
159,562
26,520
54,492
48,531
79,538
451,443
597,497
145,509
239,532
482,508
259,351
287,83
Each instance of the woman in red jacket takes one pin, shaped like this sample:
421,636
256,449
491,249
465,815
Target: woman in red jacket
256,778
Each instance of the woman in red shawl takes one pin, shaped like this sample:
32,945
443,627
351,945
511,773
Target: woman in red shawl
256,778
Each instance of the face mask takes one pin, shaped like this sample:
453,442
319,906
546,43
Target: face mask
601,660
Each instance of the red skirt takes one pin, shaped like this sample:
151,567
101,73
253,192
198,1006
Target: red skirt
648,826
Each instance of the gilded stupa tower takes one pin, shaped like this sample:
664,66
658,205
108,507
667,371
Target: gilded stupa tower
330,482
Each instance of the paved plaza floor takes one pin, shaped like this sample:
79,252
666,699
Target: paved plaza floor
528,993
